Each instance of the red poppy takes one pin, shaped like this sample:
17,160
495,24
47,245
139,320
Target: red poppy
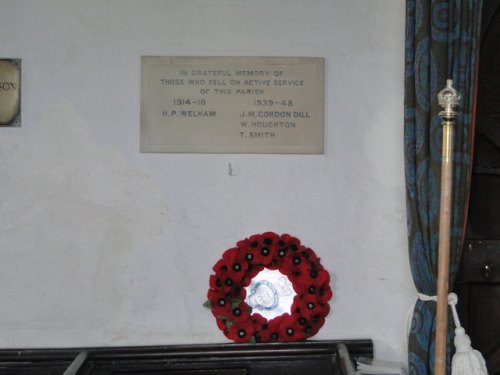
259,321
291,242
239,313
270,240
320,277
289,328
310,255
295,262
317,322
234,260
326,309
242,245
272,330
258,253
310,306
232,266
214,282
221,323
241,332
251,273
324,293
237,292
221,307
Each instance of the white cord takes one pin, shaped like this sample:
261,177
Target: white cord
452,301
466,360
426,298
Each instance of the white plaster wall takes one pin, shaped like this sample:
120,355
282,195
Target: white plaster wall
102,245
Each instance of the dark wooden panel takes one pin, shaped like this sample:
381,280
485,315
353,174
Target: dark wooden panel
190,372
480,262
482,320
485,327
485,206
479,276
478,288
300,358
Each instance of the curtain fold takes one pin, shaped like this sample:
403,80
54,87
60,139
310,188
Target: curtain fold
442,41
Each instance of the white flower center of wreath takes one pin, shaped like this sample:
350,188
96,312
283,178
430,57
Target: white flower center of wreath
270,294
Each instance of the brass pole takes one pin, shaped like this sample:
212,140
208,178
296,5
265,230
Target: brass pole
448,99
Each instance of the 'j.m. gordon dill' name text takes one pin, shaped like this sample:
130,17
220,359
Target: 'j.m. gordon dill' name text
275,114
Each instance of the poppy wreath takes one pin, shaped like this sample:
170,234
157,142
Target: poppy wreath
240,264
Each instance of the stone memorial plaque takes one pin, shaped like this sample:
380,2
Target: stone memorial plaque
10,92
232,104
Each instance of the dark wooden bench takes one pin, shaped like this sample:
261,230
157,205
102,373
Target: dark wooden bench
300,358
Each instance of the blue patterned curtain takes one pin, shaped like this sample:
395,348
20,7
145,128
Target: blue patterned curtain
442,41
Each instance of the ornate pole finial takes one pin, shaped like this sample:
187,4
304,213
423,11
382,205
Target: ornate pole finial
448,98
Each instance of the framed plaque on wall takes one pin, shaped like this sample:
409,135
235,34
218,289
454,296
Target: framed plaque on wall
232,104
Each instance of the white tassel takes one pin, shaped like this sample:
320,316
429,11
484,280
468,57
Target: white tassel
466,360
